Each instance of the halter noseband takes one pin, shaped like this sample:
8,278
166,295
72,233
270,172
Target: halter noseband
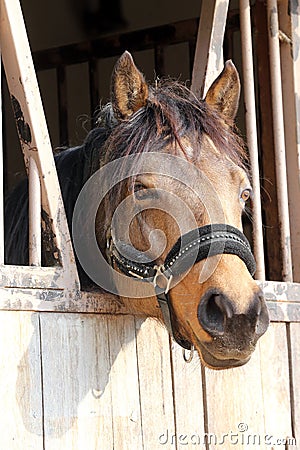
192,247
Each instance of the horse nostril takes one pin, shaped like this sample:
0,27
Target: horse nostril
262,316
213,311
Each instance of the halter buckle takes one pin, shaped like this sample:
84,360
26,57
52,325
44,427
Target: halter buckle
161,276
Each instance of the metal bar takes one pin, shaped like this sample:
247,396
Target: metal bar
1,177
266,140
208,61
192,48
114,45
279,140
159,57
251,126
94,89
62,105
289,23
35,235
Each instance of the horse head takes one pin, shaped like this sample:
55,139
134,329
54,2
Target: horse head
188,190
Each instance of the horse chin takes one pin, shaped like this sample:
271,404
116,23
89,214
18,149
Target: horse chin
209,360
212,362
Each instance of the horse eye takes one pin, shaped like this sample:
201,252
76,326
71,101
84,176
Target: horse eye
140,191
245,195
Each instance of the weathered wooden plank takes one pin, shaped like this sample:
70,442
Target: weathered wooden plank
127,427
30,277
295,373
208,61
188,398
21,424
284,311
283,300
280,291
155,382
77,391
275,399
235,415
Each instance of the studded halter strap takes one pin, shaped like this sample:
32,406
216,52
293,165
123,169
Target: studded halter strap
192,247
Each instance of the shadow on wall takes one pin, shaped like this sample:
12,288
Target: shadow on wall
79,355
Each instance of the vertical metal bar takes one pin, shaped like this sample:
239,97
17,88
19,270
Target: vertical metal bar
159,57
250,115
192,47
266,139
279,140
289,23
208,62
62,105
35,238
228,44
1,178
94,89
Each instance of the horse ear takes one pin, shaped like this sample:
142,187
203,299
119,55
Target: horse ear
224,93
129,90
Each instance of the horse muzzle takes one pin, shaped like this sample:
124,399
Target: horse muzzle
233,336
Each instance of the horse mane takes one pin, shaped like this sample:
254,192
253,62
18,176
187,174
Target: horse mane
172,112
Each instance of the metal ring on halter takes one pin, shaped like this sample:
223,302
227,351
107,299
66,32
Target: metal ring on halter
159,272
190,357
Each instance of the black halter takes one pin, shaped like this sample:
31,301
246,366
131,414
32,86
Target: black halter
192,247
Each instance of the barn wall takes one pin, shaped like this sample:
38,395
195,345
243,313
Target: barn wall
72,380
88,381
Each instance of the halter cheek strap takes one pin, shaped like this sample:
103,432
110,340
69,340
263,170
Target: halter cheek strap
192,247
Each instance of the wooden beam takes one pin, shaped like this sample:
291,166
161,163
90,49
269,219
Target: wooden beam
283,300
208,61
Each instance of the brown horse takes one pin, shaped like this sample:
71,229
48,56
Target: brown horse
186,172
172,187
